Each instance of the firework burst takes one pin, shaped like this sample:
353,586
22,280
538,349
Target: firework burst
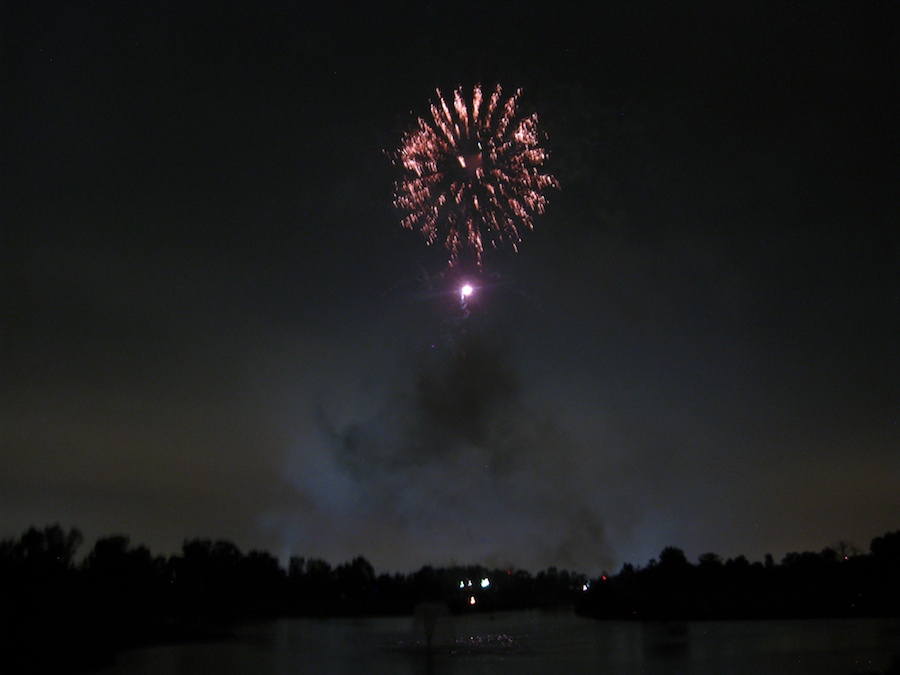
472,173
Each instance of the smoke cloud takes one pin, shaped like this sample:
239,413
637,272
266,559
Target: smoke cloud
453,468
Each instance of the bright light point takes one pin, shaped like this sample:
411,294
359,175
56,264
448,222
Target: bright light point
462,584
471,599
466,291
485,582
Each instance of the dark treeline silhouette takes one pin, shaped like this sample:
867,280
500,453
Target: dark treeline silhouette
58,613
836,582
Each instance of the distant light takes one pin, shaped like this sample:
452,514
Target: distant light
472,600
466,291
485,582
462,584
586,586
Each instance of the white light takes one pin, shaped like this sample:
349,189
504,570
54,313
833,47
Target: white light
466,291
485,582
471,599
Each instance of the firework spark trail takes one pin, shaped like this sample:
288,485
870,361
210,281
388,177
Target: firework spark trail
473,174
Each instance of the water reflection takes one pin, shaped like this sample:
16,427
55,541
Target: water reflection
666,639
532,642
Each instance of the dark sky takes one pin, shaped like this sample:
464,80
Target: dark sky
213,324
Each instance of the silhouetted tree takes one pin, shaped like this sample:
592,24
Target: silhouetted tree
52,548
206,579
126,583
313,587
886,549
355,581
263,584
709,561
672,558
41,602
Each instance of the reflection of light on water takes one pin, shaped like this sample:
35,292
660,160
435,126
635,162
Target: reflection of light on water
484,644
473,645
435,632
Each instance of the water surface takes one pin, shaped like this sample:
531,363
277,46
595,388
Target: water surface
532,642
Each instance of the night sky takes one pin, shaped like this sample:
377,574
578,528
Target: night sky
214,325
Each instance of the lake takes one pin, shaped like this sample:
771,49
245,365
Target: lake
532,642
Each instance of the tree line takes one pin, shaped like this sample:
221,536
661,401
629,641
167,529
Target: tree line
835,582
120,594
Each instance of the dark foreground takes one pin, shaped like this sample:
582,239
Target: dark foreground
57,615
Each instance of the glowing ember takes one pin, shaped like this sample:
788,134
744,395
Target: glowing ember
473,173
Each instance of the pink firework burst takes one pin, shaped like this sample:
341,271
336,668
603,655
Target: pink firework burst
472,173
